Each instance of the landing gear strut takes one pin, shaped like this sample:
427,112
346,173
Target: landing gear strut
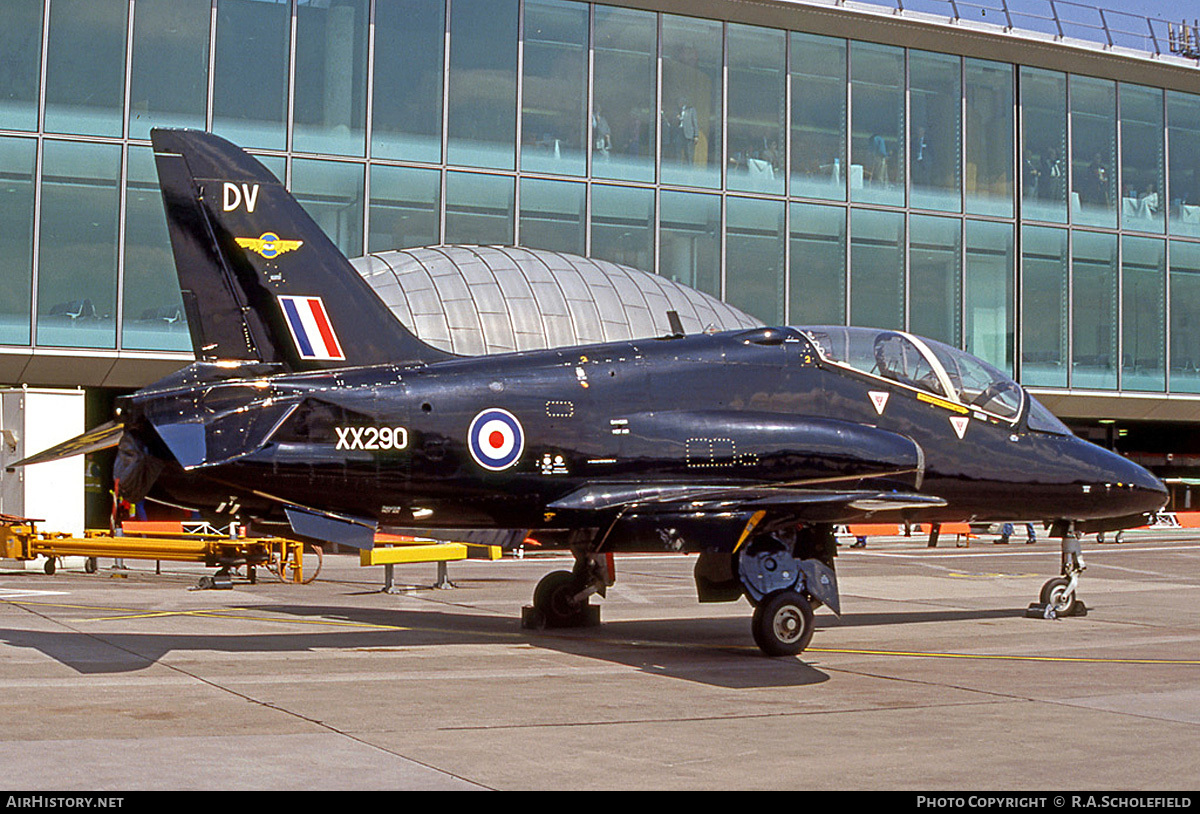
785,576
1057,597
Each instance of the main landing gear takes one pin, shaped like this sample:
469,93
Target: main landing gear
785,576
1058,595
561,598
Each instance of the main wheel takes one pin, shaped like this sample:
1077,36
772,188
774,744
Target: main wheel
783,623
552,598
1054,593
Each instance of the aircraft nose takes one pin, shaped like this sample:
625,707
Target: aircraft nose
1133,488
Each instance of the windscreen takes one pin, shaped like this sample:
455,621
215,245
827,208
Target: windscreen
1042,420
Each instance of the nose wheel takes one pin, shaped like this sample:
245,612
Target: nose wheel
1058,596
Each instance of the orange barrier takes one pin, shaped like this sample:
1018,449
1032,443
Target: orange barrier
153,526
874,529
1188,520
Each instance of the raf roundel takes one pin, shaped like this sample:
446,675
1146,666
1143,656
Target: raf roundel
496,439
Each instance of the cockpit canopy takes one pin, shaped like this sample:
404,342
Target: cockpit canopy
923,364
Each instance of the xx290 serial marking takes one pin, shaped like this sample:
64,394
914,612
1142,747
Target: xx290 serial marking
372,438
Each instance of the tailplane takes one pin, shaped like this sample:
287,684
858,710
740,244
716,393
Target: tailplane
261,281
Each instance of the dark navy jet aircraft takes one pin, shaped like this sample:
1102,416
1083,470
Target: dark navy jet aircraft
313,411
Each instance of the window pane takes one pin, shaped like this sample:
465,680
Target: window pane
77,270
169,84
877,122
877,269
85,66
17,160
552,215
934,261
1043,145
1044,306
404,208
554,94
988,296
989,138
479,209
624,112
482,121
331,77
754,258
406,118
1185,317
818,117
1143,159
1143,314
936,131
20,63
623,226
332,193
153,309
756,108
1093,151
690,236
1183,114
250,72
691,95
818,265
1094,311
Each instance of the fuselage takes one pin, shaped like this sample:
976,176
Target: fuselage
487,442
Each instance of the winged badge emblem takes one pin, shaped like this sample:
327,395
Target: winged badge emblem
268,244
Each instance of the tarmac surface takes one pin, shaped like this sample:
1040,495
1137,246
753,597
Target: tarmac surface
933,679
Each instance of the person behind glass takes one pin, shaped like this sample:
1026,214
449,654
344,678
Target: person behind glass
922,158
1093,187
878,151
601,133
1052,176
1031,175
689,131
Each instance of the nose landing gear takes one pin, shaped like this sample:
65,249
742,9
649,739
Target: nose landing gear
1058,597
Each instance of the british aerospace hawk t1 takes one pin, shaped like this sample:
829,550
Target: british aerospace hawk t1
312,409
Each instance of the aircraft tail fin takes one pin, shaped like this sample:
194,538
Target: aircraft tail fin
260,279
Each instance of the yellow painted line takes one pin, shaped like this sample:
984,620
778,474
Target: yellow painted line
999,657
992,576
135,613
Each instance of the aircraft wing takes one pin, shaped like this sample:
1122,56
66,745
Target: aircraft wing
102,437
721,517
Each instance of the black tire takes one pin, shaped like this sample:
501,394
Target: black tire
90,566
552,598
1052,595
783,623
51,566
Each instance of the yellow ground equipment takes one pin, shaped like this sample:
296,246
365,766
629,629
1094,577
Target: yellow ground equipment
394,549
21,540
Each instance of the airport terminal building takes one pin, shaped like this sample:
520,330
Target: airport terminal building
1023,186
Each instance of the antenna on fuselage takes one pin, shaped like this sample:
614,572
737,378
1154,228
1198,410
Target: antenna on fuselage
676,324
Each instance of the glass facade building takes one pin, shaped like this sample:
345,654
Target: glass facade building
805,168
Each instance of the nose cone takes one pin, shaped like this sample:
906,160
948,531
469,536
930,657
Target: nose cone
1130,488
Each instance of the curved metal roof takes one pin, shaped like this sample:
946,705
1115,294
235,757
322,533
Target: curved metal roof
474,300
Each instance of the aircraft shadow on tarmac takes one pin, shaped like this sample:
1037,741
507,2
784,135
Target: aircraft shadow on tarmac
707,651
